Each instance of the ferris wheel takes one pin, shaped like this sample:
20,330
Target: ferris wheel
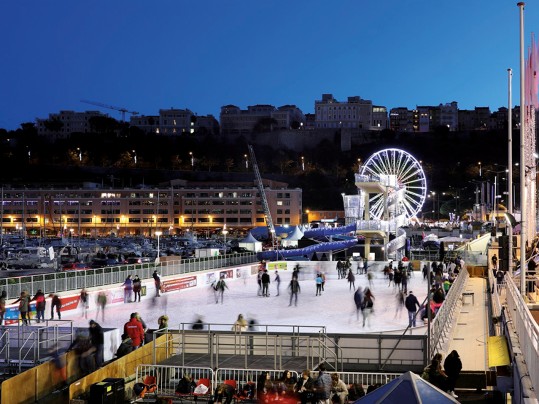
410,178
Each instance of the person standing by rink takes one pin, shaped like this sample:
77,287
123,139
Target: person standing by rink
351,279
319,281
133,328
277,281
84,302
24,306
265,283
3,297
101,303
358,300
97,337
128,289
220,287
412,305
294,289
39,298
157,281
137,285
368,306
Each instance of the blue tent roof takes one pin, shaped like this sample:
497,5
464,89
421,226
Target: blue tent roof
408,388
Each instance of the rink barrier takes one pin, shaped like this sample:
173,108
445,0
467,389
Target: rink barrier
442,323
76,280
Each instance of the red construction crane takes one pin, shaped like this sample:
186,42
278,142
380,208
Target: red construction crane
100,104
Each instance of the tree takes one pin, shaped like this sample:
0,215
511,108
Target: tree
53,125
229,163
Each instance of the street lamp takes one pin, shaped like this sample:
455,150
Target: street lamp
225,232
135,156
479,163
80,153
158,234
246,161
192,159
302,163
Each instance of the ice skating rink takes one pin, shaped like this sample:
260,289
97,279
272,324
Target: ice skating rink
335,309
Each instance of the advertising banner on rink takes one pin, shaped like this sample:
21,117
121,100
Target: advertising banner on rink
179,284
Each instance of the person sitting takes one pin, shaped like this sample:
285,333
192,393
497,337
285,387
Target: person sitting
339,391
186,385
125,347
223,392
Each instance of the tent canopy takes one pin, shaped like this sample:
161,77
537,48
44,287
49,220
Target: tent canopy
408,388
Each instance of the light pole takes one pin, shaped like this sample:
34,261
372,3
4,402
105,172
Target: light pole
158,234
523,213
510,167
246,161
225,232
135,156
479,163
302,163
192,159
79,153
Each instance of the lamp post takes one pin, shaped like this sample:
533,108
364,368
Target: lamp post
225,232
135,156
79,153
158,234
192,159
302,163
523,212
246,161
510,167
479,163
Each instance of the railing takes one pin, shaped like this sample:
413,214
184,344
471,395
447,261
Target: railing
76,280
442,323
4,346
168,377
328,351
526,328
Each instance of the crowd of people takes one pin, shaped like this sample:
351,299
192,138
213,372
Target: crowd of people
444,377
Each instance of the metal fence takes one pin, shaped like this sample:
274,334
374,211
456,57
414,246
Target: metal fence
168,377
76,280
443,322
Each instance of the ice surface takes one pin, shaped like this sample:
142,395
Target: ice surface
335,309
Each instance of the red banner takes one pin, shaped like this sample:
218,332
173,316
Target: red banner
179,284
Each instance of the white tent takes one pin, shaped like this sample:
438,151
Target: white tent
292,238
251,243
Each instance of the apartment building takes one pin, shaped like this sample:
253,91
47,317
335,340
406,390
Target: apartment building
262,117
355,113
401,119
64,123
101,211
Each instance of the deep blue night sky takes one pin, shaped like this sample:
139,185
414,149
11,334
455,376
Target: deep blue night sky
203,54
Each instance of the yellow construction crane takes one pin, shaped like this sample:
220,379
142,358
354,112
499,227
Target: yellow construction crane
100,104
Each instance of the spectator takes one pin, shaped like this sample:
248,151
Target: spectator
305,388
323,384
453,366
125,347
339,390
133,328
97,338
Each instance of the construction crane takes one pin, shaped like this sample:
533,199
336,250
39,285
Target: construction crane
100,104
261,190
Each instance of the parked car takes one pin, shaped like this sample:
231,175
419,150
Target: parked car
75,266
104,262
138,260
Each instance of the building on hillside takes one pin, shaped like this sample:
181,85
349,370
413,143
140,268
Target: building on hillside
94,210
379,118
64,123
176,121
477,119
259,118
355,113
401,119
146,123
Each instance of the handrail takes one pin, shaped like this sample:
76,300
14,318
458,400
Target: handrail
444,317
336,353
21,358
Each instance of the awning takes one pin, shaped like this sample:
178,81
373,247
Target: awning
498,353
